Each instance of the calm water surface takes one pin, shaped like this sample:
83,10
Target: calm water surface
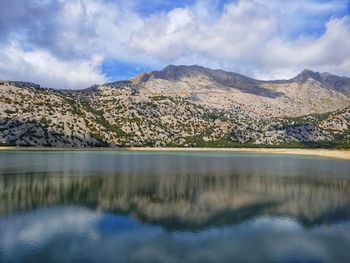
113,206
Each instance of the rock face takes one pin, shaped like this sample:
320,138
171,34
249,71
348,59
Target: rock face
180,106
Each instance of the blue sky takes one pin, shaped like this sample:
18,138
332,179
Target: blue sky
119,70
77,43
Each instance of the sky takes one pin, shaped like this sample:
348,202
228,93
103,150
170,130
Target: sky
73,44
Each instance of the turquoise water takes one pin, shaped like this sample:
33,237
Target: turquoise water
173,207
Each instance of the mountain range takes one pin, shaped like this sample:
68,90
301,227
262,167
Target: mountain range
189,106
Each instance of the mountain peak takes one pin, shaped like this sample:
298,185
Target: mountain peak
308,74
327,80
184,67
171,73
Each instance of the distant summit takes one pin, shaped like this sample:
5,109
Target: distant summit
175,73
327,80
307,74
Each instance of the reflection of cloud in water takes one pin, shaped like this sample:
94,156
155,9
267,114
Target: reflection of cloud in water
68,233
39,226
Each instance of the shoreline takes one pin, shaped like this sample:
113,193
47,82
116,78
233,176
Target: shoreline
328,153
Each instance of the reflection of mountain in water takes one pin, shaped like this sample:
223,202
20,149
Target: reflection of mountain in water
181,202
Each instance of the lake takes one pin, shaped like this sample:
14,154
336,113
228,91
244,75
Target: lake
123,206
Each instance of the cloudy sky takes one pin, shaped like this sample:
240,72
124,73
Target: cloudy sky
76,43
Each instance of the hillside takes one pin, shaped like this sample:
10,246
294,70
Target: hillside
181,106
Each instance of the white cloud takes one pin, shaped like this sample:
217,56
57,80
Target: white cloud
44,68
232,36
328,52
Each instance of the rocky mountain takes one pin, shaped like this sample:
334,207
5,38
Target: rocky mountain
181,106
327,80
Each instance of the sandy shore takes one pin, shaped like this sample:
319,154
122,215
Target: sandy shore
339,154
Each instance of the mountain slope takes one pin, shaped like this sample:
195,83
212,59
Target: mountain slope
179,106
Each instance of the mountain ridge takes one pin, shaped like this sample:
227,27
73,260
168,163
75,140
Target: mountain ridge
187,106
175,72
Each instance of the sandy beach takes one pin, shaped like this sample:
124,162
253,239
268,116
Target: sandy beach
339,154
